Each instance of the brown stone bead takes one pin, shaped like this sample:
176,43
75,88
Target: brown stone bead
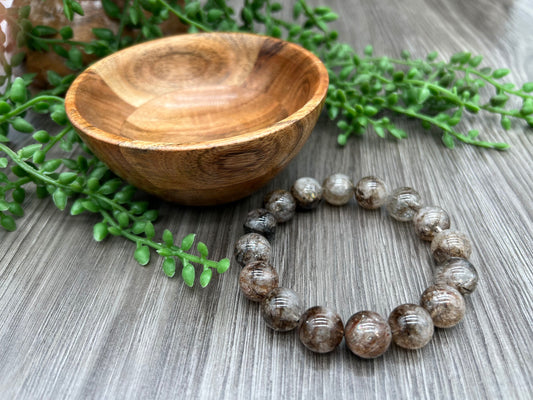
450,243
252,247
262,222
429,221
458,273
281,309
338,189
307,192
403,203
445,305
368,335
281,204
371,192
411,325
321,329
257,279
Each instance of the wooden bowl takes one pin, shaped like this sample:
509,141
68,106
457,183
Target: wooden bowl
199,119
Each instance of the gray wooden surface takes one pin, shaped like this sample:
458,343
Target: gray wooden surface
80,319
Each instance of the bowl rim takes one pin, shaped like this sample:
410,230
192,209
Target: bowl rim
81,124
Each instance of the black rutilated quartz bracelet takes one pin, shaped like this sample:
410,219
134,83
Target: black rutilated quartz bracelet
367,334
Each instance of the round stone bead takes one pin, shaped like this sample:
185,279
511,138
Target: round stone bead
281,204
428,221
458,273
257,279
338,189
450,243
252,247
281,309
262,222
368,335
371,192
403,203
445,305
411,325
307,192
321,329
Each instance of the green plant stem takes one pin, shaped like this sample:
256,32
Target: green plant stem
184,17
29,104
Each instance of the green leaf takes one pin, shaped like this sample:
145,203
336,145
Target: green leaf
16,209
28,151
526,87
76,7
474,62
39,156
149,230
3,162
51,165
41,136
100,231
60,198
8,222
42,30
169,266
24,12
66,33
67,177
123,219
165,252
448,141
142,254
4,107
77,207
67,10
4,205
205,277
500,73
499,100
134,15
188,273
423,95
103,33
192,8
527,107
368,50
506,123
202,249
432,56
19,194
22,125
187,242
111,9
168,238
138,227
223,265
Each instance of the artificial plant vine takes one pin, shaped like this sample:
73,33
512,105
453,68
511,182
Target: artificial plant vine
365,91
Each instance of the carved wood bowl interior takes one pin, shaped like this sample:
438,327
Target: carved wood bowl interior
199,119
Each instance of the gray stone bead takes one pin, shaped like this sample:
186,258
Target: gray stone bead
262,222
411,325
320,329
428,221
281,204
370,192
307,192
281,309
338,189
257,279
445,305
458,273
368,335
252,247
450,243
403,203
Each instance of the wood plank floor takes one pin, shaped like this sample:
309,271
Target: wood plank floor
80,319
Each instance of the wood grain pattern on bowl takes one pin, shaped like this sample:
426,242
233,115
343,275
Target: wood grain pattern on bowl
203,118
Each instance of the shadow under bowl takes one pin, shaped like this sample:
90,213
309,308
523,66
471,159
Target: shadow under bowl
199,119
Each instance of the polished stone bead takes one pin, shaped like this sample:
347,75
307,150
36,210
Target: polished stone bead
445,305
403,203
281,204
320,329
458,273
411,325
450,243
428,221
368,335
281,309
307,192
257,279
338,189
262,222
252,247
370,192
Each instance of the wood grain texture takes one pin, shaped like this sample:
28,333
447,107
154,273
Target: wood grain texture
81,320
200,119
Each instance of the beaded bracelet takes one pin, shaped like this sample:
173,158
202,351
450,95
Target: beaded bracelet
367,334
